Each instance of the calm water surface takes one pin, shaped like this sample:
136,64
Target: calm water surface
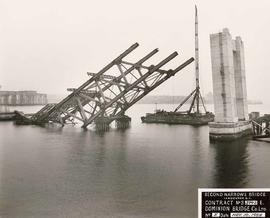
146,171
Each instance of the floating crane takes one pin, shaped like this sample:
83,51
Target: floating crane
196,93
193,115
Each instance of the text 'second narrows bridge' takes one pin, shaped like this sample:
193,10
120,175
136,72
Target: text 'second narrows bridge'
104,98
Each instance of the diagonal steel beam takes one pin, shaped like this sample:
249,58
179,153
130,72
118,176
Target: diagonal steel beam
169,74
141,61
100,86
103,70
152,70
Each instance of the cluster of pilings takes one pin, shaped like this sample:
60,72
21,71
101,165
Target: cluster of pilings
123,122
102,124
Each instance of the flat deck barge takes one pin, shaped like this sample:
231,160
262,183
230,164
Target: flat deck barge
162,116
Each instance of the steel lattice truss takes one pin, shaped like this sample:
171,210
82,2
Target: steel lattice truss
109,95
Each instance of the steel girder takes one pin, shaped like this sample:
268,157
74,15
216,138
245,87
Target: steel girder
110,95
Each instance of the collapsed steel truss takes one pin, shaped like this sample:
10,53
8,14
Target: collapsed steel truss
109,95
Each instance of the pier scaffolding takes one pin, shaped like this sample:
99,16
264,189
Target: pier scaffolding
106,96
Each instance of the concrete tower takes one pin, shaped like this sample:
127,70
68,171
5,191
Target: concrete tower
240,80
229,86
223,77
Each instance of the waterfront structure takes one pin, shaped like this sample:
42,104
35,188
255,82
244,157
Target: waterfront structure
22,98
229,87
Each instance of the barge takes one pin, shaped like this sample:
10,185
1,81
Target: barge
161,116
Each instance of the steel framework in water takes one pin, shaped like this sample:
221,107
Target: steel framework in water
106,97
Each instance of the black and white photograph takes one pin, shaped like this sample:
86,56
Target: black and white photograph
134,109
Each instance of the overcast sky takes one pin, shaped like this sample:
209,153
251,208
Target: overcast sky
50,45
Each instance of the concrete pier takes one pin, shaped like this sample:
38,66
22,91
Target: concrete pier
229,87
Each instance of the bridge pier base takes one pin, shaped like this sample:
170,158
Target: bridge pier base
229,131
123,122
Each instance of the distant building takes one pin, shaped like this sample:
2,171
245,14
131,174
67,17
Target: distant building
22,98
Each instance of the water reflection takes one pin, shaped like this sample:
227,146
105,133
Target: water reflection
231,164
201,157
148,171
